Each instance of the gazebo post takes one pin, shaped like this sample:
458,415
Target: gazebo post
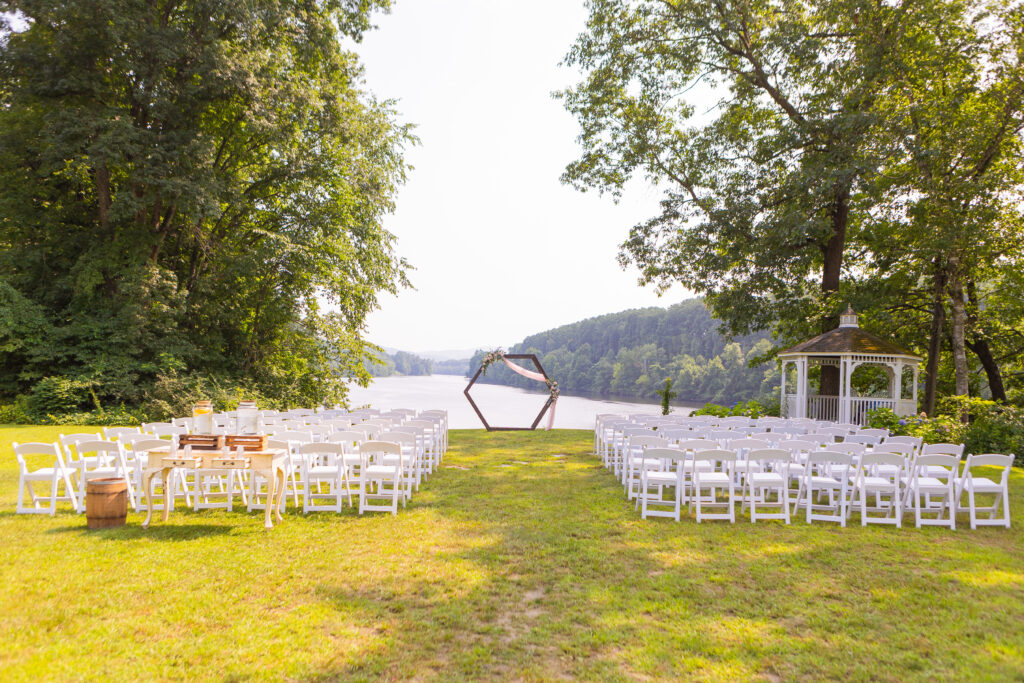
897,386
843,407
801,383
783,401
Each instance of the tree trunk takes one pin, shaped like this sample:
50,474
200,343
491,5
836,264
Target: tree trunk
981,348
831,271
958,328
935,340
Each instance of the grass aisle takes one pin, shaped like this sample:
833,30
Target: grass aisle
519,559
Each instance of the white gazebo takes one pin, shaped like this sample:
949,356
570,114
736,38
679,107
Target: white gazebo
848,347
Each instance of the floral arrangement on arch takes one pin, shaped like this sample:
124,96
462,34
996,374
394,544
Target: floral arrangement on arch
498,355
491,358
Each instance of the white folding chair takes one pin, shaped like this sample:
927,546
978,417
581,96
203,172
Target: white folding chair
636,461
718,476
410,458
380,479
866,439
43,462
921,487
767,472
914,441
974,485
324,463
654,479
880,475
826,473
102,459
114,433
138,461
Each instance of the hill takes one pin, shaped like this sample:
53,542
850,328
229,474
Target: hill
630,354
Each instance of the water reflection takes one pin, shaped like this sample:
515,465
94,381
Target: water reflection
503,406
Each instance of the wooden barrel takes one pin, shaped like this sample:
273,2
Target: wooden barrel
106,502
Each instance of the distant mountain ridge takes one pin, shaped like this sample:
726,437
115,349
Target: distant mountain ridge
633,352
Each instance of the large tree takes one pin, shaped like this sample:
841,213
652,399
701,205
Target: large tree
948,207
191,185
768,193
757,188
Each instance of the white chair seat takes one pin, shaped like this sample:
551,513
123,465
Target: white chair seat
878,482
716,478
764,479
824,481
46,473
985,485
373,471
930,483
655,477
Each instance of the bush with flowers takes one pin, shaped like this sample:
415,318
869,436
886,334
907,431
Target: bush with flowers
991,427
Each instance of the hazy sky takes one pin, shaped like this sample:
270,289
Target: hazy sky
502,249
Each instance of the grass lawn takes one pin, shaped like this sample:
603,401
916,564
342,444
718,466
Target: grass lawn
510,563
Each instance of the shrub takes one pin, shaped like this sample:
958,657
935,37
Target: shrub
14,413
56,396
173,395
991,427
752,408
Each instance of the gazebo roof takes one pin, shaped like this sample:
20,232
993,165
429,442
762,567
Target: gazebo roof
848,338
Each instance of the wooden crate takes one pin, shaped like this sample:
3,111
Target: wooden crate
248,443
201,442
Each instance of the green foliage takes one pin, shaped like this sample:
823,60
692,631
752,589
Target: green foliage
624,354
752,408
14,413
118,417
859,152
990,428
58,396
666,397
192,186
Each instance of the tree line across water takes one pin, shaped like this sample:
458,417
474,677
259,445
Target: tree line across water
631,354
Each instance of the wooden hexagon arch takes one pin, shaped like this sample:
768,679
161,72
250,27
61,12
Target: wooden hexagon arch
487,426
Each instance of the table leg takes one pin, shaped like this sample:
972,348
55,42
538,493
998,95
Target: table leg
271,477
282,479
165,476
147,486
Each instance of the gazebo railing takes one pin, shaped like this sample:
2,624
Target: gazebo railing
827,408
859,408
823,408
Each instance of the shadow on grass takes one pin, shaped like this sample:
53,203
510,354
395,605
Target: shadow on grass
576,585
156,532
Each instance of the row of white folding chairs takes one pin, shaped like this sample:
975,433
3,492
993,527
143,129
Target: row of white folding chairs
763,423
610,434
910,447
83,456
843,477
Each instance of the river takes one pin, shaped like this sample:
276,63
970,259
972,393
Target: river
502,406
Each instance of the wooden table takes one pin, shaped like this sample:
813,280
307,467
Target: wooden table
271,464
